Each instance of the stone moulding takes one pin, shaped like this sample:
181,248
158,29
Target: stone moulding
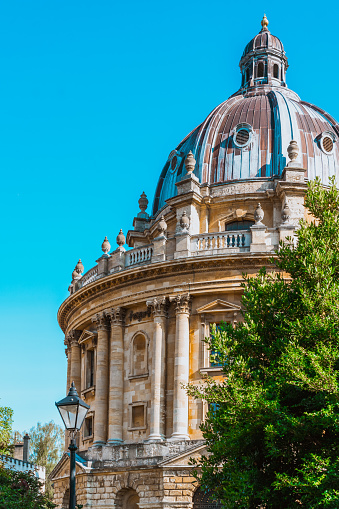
149,272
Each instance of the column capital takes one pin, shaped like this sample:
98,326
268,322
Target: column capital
159,306
182,303
72,338
116,315
100,319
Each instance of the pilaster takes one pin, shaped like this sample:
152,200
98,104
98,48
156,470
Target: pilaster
181,367
101,388
75,368
116,375
159,308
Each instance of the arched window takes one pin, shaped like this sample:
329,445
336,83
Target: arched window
248,74
260,70
139,356
203,500
243,224
276,71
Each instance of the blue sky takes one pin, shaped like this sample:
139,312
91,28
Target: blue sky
94,96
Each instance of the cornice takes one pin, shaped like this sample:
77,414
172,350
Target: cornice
153,271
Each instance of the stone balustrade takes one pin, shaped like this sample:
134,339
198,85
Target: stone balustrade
89,277
205,244
221,243
139,255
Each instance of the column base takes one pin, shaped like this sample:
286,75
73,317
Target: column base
178,436
98,443
154,437
114,441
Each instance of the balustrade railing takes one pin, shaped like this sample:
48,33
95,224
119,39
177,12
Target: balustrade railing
89,277
138,255
221,241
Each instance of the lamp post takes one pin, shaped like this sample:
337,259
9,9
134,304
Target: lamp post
73,412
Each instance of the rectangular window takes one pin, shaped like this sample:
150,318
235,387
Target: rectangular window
90,369
88,427
137,416
214,362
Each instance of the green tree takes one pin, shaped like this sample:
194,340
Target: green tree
46,445
19,490
273,425
6,420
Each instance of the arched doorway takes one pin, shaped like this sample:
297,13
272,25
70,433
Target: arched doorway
127,499
203,500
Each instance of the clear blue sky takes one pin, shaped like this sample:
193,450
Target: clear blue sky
94,96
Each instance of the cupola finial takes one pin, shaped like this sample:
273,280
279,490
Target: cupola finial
264,23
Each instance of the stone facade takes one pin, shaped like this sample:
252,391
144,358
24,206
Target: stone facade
135,323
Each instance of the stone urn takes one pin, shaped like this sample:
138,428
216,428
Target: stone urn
143,202
79,267
162,226
258,215
105,246
121,239
285,214
184,221
190,163
293,150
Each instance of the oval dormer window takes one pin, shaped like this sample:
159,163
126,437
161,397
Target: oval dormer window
242,135
326,142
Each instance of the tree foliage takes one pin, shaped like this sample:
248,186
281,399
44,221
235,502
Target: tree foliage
273,424
21,490
46,447
6,420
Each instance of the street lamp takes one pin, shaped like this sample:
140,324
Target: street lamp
73,412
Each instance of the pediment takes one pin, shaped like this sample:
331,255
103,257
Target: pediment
183,459
86,335
219,306
61,469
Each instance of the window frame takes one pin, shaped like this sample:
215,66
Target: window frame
130,416
131,374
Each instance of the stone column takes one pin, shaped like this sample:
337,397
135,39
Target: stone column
181,368
101,386
68,355
116,376
75,366
67,343
159,310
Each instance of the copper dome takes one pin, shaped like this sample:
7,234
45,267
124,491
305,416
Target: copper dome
246,137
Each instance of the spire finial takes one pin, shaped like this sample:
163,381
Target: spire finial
264,23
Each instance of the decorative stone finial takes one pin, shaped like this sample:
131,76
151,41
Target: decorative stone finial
143,202
190,163
79,267
78,270
184,221
162,226
293,150
105,246
264,23
258,215
121,239
285,214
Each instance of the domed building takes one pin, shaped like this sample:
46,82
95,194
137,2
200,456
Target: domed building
135,322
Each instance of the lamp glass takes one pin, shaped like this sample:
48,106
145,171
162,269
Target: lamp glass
82,412
69,414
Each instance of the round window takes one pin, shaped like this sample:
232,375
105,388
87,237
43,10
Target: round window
242,137
328,144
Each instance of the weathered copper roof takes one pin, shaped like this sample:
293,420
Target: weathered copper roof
263,40
269,116
276,116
